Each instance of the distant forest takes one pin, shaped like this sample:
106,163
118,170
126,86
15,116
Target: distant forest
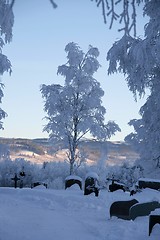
38,146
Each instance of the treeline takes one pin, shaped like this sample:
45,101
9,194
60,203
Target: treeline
54,173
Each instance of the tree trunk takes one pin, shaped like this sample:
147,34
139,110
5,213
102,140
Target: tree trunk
71,167
72,158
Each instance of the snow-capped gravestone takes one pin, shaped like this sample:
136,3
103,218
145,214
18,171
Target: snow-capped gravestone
154,218
91,184
72,180
114,186
38,185
149,183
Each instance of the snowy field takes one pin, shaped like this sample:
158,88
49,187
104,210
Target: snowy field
46,214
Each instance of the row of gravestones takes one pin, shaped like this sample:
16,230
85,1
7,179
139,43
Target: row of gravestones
127,210
19,179
92,186
91,183
130,210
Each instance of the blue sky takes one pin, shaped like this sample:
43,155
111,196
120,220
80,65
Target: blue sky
40,34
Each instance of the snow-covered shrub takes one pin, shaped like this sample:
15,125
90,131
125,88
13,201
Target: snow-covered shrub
7,171
52,172
125,174
57,183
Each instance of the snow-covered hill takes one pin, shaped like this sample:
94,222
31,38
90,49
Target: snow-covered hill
40,150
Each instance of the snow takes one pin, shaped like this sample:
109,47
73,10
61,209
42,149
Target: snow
156,211
149,180
70,177
92,175
59,214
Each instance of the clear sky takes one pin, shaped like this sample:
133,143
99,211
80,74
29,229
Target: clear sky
40,34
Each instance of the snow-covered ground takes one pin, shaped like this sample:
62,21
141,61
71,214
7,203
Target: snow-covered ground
47,214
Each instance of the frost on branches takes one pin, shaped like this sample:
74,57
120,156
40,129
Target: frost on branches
75,109
6,24
146,136
123,11
139,60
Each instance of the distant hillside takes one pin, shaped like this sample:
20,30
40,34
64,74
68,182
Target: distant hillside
41,150
112,152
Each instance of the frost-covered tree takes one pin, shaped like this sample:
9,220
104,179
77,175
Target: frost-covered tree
75,109
146,135
6,24
139,60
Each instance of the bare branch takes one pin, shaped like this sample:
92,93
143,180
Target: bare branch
53,4
12,3
133,18
114,15
127,17
105,8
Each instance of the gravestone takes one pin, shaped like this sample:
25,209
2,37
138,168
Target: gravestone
91,184
22,175
143,209
153,219
121,209
35,184
15,179
71,180
116,186
149,183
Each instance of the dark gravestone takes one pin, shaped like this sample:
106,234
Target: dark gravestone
153,219
15,179
120,209
116,186
38,184
91,186
149,183
22,175
143,209
70,182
